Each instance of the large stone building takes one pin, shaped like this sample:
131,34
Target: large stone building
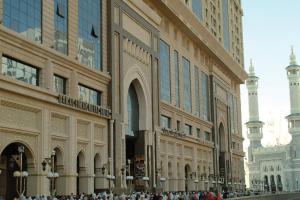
120,89
275,168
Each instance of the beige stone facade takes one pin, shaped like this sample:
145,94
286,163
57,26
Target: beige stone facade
88,144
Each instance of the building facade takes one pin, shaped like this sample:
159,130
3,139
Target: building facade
129,94
274,168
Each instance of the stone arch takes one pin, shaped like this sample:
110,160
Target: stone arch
222,138
28,151
136,77
81,173
59,168
9,156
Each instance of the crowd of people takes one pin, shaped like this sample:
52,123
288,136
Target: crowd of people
136,196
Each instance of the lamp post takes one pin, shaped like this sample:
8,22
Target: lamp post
52,175
109,177
162,183
146,179
128,178
20,175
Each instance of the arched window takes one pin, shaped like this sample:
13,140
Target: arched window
133,111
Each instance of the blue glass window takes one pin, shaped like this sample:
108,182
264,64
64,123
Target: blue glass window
133,111
188,129
197,8
89,95
61,26
59,84
207,136
177,88
198,133
205,95
89,33
165,121
225,24
197,95
20,71
165,71
24,17
187,85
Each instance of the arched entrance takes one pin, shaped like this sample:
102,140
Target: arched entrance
273,185
187,173
266,183
98,180
135,138
222,151
81,172
59,168
15,159
279,183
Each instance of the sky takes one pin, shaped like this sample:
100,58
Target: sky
270,28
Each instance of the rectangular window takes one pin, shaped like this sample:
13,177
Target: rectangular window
89,95
61,26
24,17
207,136
197,95
165,122
20,71
177,87
198,133
225,24
178,125
187,85
188,129
164,57
89,41
205,95
197,8
59,84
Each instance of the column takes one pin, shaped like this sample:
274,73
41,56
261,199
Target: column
0,51
74,85
71,157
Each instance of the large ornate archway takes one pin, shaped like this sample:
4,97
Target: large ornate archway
10,162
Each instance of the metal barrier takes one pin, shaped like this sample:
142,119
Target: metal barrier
277,196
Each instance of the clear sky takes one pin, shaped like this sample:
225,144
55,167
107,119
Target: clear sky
270,28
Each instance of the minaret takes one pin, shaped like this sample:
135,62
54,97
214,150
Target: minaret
293,74
254,126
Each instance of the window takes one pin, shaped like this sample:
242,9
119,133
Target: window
187,85
205,96
61,26
178,125
24,17
188,129
207,136
89,33
165,71
225,24
197,8
198,133
20,71
89,95
59,84
197,95
132,111
177,87
165,121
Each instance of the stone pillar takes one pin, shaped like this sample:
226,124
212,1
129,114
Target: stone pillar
47,75
1,15
71,160
74,85
111,153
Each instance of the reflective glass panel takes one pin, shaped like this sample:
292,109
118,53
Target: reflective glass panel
89,95
19,71
187,85
24,17
61,26
89,33
59,84
165,71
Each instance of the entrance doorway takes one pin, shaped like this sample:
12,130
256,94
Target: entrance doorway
135,141
222,150
10,164
80,172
